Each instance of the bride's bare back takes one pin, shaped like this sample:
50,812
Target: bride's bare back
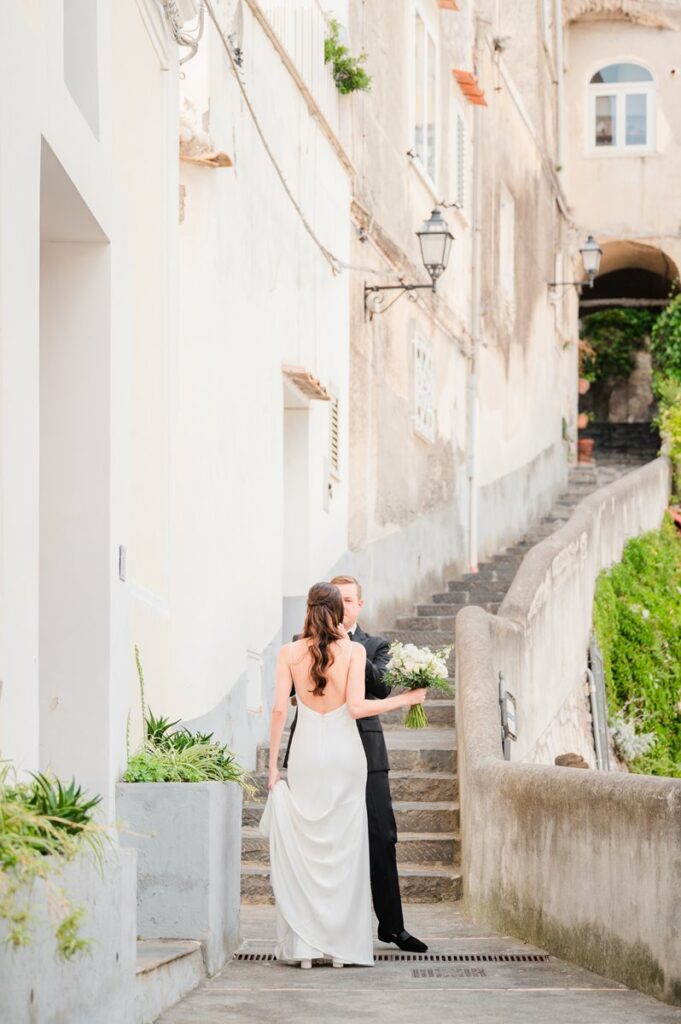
335,691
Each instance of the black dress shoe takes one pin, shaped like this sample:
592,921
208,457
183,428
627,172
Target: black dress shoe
404,940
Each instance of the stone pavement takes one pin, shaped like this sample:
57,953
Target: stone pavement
415,992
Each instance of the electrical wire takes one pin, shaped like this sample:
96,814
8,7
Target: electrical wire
336,265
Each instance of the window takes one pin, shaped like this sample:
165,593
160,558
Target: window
424,412
425,97
621,108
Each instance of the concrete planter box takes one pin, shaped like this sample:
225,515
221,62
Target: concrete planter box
188,842
96,988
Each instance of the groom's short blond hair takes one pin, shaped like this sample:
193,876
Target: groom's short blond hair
342,580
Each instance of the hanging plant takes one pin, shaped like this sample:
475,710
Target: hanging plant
665,344
347,71
613,337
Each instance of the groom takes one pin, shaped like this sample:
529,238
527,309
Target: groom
385,886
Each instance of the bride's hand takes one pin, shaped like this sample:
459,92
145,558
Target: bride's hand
343,631
415,697
274,778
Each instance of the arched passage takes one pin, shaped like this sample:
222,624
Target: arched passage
633,286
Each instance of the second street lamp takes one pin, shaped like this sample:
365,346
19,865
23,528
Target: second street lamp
591,253
435,240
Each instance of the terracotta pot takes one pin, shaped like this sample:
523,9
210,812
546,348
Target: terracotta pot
583,385
582,421
585,446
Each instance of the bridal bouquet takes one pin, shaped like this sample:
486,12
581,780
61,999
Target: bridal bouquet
412,668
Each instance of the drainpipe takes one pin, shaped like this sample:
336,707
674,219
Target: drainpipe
476,330
560,90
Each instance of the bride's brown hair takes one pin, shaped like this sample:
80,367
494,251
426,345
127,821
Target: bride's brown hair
324,614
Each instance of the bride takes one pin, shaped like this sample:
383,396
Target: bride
317,820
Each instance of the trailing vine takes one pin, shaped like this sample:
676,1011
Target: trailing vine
347,71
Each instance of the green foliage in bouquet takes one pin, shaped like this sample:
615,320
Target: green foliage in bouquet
411,668
178,755
637,620
44,824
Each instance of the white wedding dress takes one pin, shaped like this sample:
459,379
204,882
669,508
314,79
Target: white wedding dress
319,842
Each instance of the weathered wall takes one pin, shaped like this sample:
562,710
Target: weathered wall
95,988
583,863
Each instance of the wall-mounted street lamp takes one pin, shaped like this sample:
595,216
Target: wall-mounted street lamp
591,253
435,240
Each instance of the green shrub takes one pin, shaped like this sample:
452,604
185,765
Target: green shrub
347,71
665,343
614,336
637,621
43,826
180,755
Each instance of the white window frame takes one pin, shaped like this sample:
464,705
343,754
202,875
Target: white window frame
423,418
620,90
430,30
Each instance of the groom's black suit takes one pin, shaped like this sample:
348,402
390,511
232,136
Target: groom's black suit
385,886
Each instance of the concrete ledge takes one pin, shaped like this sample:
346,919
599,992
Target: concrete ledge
97,988
166,972
188,841
583,863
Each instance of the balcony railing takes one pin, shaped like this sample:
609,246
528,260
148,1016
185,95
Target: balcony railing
301,27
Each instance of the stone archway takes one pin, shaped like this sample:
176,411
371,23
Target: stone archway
634,275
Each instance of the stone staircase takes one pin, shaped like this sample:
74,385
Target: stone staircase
423,778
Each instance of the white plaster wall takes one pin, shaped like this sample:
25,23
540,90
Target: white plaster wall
255,294
624,196
114,180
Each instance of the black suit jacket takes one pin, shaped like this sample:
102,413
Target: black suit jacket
370,729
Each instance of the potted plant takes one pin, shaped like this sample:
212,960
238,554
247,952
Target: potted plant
180,804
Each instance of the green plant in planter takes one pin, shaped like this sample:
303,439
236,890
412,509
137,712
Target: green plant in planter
669,424
180,755
44,825
348,73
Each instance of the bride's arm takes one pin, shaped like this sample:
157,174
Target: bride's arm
358,705
282,690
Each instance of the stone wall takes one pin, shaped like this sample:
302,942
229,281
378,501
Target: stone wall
583,863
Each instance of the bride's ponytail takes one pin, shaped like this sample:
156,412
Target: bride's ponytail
324,615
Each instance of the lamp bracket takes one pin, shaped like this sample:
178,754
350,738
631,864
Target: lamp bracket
401,288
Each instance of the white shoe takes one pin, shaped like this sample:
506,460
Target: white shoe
306,964
337,963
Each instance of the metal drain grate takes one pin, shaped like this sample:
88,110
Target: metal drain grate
431,958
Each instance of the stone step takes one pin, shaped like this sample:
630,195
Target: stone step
166,970
445,609
418,884
404,785
422,638
425,750
410,816
420,623
421,848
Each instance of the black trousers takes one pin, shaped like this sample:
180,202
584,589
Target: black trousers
385,885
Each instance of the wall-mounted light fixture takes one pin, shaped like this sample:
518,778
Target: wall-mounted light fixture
435,240
591,253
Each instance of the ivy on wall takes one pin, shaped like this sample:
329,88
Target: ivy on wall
614,337
665,344
637,621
